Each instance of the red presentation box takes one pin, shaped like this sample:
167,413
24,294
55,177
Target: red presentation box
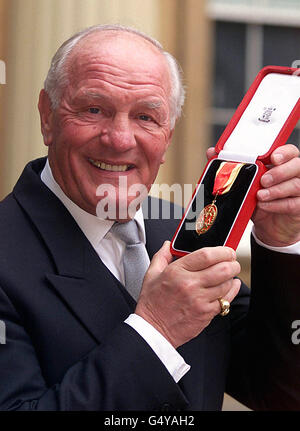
228,186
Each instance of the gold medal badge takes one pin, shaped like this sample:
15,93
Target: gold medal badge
224,179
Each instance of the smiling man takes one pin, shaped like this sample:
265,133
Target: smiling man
107,123
77,338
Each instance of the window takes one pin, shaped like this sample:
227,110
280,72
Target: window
248,36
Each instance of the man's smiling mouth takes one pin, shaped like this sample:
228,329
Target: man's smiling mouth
108,167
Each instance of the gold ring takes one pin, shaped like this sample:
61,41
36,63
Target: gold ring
225,306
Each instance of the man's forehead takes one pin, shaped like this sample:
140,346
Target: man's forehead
118,48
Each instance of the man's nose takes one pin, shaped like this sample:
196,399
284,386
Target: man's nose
119,134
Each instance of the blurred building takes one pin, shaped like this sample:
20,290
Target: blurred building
249,35
32,30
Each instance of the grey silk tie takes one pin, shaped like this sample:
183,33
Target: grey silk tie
135,259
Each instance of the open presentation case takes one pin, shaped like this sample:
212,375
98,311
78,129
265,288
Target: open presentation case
228,186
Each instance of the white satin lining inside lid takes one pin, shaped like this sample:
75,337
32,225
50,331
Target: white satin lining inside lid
264,117
234,157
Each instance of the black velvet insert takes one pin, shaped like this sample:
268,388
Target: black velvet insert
228,206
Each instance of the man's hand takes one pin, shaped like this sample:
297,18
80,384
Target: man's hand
277,214
180,298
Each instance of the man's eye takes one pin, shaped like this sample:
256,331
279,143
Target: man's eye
94,110
145,117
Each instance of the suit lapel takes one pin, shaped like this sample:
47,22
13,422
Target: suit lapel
97,300
81,280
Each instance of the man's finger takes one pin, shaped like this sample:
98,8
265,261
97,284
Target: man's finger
206,257
219,291
219,273
161,259
287,206
281,173
210,153
289,188
236,285
284,153
214,307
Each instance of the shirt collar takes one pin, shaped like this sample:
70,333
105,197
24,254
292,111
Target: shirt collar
93,227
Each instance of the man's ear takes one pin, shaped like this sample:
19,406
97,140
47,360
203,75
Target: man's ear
163,159
46,115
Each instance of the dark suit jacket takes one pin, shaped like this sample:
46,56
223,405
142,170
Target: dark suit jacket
67,347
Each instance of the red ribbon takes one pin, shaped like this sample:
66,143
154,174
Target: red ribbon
223,180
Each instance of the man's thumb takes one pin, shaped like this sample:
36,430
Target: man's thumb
161,259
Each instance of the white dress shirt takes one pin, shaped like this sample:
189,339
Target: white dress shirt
110,249
289,249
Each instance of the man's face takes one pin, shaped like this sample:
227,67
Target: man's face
113,118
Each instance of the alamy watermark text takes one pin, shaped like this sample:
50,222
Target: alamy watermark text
2,72
296,333
2,332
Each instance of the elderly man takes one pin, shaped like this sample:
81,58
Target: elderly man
77,339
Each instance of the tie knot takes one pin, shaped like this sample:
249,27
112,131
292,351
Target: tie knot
127,232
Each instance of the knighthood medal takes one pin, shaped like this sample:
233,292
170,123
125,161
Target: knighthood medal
224,179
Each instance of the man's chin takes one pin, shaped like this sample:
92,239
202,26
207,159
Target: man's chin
121,209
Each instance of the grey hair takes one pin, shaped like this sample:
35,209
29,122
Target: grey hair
57,77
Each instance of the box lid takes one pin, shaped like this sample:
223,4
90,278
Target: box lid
265,118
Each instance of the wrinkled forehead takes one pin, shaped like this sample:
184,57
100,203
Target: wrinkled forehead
119,52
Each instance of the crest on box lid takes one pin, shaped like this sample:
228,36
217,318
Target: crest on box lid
264,119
